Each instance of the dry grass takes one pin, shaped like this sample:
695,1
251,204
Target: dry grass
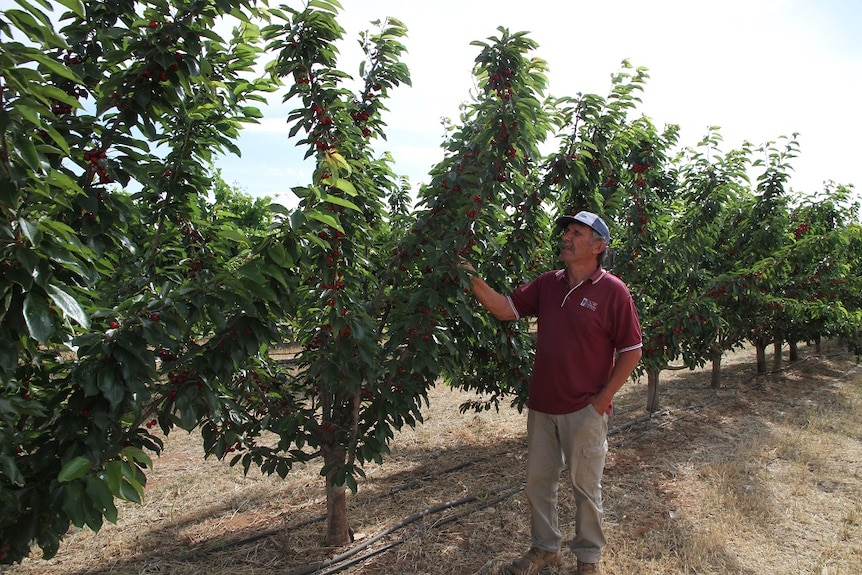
763,476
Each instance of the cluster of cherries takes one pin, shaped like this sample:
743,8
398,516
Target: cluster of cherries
640,170
95,158
501,84
157,75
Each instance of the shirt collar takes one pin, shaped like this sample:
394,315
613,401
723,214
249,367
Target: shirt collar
595,278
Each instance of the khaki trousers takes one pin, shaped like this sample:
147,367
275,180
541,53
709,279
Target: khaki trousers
577,441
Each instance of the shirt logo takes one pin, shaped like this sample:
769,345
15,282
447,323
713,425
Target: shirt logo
589,304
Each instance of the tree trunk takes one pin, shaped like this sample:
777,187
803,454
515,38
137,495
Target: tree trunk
715,379
794,351
760,348
776,358
337,526
652,390
817,346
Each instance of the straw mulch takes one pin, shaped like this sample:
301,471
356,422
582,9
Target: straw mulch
762,476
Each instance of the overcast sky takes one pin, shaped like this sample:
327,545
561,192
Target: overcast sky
759,69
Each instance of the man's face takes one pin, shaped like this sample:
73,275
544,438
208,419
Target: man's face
579,244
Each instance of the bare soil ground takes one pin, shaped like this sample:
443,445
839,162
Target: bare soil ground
761,476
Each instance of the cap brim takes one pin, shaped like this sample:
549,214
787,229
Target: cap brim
564,221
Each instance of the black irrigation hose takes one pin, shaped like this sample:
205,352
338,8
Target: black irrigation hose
362,558
633,422
356,560
514,488
318,518
403,523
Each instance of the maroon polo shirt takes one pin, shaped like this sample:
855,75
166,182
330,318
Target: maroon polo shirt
580,331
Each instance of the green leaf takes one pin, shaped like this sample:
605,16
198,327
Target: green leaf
29,109
69,305
280,208
37,315
28,152
351,483
137,455
342,202
344,185
279,255
252,112
62,181
328,6
10,469
109,387
324,218
114,470
31,232
74,504
74,468
131,490
73,5
101,496
29,25
56,67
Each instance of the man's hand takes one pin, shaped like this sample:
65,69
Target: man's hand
498,304
466,266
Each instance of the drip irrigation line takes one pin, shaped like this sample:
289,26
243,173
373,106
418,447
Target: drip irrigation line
633,422
356,560
395,527
514,488
362,558
318,518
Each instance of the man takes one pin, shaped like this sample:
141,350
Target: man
588,344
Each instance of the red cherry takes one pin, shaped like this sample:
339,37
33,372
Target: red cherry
153,24
114,325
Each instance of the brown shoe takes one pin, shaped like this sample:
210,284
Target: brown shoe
534,561
589,568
